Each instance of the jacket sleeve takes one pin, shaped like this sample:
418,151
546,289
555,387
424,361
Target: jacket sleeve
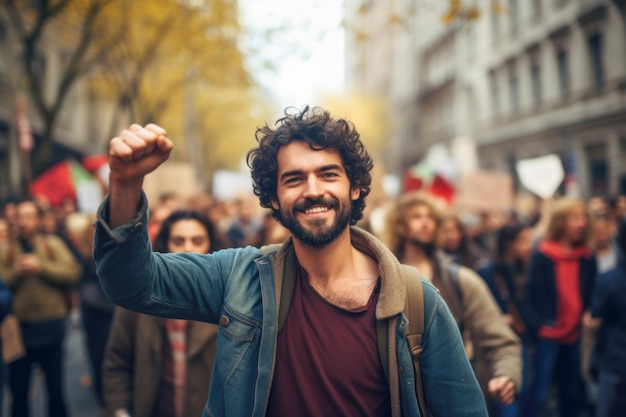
118,367
62,267
491,336
177,285
450,385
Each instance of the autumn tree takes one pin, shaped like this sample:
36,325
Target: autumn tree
76,28
170,46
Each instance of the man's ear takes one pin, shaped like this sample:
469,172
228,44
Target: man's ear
275,205
355,193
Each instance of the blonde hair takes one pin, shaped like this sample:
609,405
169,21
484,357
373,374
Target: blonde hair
557,221
395,229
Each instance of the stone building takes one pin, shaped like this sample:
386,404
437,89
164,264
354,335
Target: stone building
525,79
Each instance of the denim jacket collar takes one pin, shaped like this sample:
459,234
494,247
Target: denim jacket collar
393,287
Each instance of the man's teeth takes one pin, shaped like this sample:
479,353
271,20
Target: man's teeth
316,210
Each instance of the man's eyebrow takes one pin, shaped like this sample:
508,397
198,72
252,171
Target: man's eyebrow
331,167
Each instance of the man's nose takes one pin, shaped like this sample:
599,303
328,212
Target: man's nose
312,188
188,246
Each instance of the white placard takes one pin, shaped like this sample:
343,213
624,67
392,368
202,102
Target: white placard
541,176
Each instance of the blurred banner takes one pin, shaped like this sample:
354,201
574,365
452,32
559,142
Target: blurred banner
228,185
485,191
171,177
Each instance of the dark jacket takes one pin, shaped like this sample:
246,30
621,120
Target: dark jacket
488,274
609,304
540,304
5,300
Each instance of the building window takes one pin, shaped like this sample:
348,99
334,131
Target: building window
3,51
495,97
495,26
537,11
563,66
513,18
535,74
597,66
598,168
514,91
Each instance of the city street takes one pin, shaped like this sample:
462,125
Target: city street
81,401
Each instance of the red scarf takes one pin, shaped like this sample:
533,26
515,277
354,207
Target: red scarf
569,299
177,334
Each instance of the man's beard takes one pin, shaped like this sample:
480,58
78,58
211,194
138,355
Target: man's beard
429,248
318,235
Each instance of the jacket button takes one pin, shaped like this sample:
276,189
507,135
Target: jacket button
224,321
401,369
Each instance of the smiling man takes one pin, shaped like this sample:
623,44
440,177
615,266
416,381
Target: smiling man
313,171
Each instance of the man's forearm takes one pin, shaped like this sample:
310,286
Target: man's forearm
123,202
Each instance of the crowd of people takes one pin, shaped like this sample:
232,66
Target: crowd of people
118,343
537,303
547,275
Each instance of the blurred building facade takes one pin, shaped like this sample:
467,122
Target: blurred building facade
525,79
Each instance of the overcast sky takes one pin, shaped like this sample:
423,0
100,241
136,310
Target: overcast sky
307,52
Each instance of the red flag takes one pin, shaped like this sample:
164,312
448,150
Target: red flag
23,127
98,166
55,184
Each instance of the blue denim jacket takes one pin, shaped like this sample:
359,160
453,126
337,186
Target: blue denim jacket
239,289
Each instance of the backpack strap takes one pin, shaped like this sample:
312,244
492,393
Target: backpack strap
414,311
287,287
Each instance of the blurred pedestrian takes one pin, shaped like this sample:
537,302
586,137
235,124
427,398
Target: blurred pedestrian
609,305
341,285
560,281
271,232
9,212
605,248
456,243
245,228
618,209
159,367
96,310
6,306
5,231
413,226
506,277
39,269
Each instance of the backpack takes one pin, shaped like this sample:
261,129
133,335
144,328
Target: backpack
413,310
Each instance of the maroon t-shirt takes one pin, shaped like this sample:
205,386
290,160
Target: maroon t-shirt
327,361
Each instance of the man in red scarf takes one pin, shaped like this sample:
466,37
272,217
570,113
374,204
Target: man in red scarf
560,282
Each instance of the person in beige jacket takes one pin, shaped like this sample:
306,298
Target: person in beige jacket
412,226
156,367
40,270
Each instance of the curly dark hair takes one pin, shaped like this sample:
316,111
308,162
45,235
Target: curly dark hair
216,240
320,131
